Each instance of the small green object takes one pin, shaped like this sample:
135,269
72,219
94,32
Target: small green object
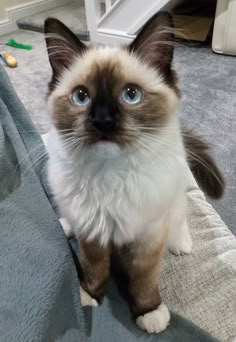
12,42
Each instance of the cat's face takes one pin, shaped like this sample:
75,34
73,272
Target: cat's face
112,94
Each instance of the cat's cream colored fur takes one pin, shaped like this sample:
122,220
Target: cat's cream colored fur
110,194
125,195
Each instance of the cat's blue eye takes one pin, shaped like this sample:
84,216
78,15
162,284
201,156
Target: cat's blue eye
80,96
131,95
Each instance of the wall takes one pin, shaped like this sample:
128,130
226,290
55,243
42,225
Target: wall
6,4
23,8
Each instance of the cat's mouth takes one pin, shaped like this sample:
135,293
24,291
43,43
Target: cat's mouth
106,138
118,139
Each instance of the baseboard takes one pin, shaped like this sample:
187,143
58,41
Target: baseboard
29,8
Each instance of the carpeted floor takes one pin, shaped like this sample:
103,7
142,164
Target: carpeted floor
72,15
31,76
208,83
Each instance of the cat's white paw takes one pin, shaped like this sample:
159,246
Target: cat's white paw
155,321
66,227
86,299
180,241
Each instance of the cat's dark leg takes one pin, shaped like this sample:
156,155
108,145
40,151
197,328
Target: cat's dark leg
142,265
95,263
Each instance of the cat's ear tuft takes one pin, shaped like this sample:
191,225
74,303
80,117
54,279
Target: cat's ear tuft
62,45
155,42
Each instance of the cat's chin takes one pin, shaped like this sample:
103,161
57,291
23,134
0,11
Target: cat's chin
106,149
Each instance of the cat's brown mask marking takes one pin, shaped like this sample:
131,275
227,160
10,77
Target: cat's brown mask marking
145,63
105,73
105,84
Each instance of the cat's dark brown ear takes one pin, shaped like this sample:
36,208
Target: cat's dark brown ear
62,45
155,42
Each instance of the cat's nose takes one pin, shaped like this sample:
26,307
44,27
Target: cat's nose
104,123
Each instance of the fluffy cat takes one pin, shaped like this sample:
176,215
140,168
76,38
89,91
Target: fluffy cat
118,162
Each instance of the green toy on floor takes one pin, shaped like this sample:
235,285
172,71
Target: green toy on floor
13,43
7,57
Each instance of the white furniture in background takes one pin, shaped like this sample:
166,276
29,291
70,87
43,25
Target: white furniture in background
224,34
118,21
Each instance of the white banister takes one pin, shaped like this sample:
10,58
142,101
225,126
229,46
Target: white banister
108,5
93,14
120,20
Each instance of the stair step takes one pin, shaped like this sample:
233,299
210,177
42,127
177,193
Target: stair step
72,15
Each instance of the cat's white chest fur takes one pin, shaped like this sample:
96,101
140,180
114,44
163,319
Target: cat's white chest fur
109,196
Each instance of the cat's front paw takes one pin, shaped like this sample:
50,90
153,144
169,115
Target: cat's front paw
181,247
155,321
86,299
180,242
66,227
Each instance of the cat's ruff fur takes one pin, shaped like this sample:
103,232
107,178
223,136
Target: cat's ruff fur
118,196
125,192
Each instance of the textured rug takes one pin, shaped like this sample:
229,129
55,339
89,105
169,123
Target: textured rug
73,15
208,84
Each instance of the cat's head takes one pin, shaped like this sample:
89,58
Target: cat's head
114,95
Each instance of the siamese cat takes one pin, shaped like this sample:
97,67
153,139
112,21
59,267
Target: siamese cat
118,159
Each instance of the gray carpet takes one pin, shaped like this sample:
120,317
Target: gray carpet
31,76
208,83
73,15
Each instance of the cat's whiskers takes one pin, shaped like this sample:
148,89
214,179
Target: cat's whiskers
194,156
156,153
27,158
198,159
75,142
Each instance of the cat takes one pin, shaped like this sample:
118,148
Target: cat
118,159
